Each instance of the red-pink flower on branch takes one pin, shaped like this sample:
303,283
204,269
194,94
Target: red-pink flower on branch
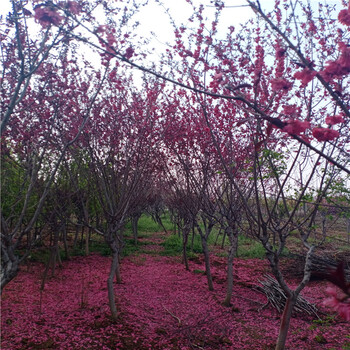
296,127
306,75
322,134
290,110
129,52
336,119
341,304
339,67
218,76
344,59
281,84
188,53
344,310
73,7
344,17
280,52
46,16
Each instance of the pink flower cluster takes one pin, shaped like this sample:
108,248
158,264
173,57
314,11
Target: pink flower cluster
281,84
324,134
296,127
47,16
73,7
336,119
344,16
129,52
340,303
306,75
339,67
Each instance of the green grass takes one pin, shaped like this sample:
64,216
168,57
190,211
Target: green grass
249,248
100,247
40,255
147,224
173,246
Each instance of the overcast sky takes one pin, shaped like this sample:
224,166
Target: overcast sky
153,19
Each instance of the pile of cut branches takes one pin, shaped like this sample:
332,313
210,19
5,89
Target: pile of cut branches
320,265
277,298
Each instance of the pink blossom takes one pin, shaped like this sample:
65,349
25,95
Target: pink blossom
312,28
344,59
322,134
339,303
289,109
296,127
306,75
218,76
129,52
344,311
344,17
333,68
73,7
281,84
336,119
46,16
280,52
339,67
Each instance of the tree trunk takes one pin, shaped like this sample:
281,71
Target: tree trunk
110,284
118,276
207,263
185,233
135,220
285,322
9,265
64,236
87,239
233,237
82,236
46,271
76,236
192,241
223,240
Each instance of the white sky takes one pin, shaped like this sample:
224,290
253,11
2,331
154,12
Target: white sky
153,19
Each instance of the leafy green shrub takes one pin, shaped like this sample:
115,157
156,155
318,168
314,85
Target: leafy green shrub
173,245
250,248
147,224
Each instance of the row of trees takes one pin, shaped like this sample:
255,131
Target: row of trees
248,123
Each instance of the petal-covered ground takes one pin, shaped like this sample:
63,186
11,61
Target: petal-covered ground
162,306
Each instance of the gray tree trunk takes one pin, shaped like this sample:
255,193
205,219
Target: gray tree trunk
135,221
9,265
110,283
185,233
285,321
207,263
233,237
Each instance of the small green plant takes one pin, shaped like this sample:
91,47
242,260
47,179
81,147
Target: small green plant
325,322
249,248
346,345
319,338
147,224
173,246
100,247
